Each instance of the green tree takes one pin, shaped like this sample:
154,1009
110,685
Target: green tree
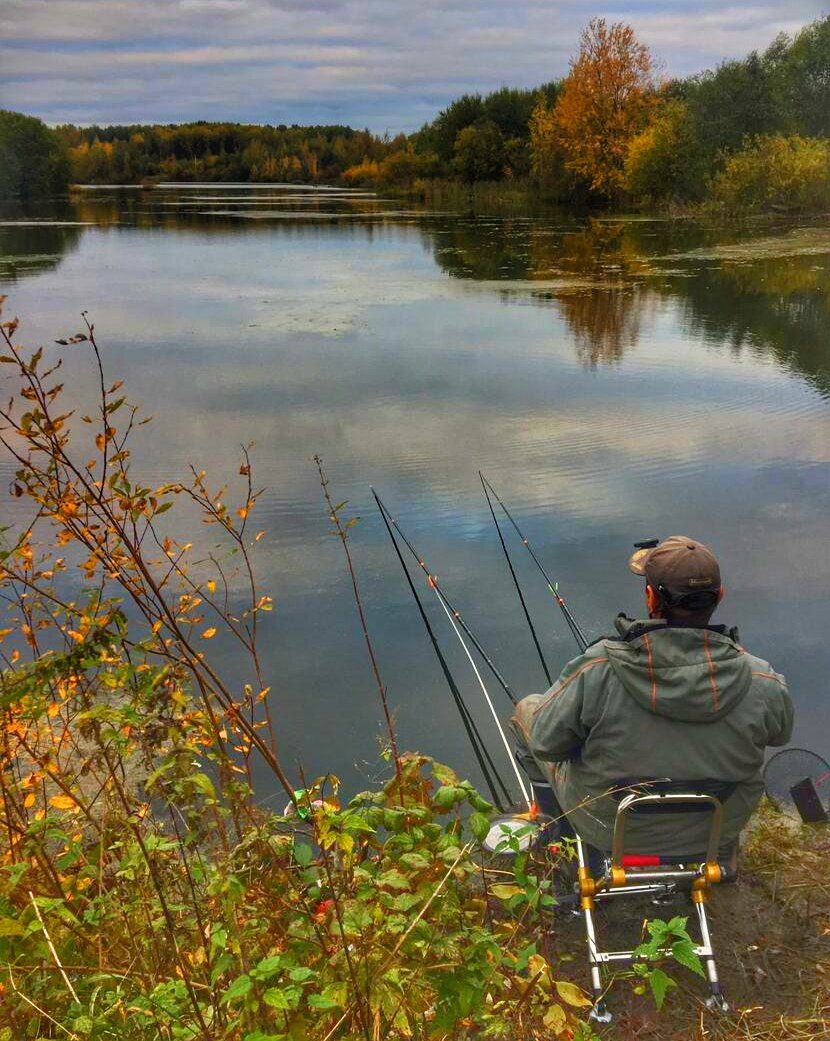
663,160
33,160
480,152
804,78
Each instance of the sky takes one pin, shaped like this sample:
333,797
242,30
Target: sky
389,65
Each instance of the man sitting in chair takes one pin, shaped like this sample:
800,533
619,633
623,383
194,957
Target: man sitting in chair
670,698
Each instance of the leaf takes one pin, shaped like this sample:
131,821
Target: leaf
303,854
63,802
570,993
660,984
240,987
275,997
208,634
505,891
321,1002
479,825
683,951
211,585
555,1019
301,974
267,967
9,927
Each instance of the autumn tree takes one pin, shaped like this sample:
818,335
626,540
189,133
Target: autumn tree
606,99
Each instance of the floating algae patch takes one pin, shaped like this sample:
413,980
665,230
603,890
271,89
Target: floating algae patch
801,242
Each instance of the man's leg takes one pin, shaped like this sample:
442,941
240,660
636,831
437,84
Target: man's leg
539,774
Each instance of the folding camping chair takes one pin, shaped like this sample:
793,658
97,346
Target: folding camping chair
636,874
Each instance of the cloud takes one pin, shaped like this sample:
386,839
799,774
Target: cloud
386,64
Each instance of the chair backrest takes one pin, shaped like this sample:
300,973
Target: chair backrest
670,797
720,790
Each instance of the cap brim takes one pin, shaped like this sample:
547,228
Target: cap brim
637,561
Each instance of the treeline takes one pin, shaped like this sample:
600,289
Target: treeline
753,132
217,152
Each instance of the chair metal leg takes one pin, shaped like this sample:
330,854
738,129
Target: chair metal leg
716,1001
599,1012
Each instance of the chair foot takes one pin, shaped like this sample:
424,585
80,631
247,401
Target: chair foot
716,1002
599,1013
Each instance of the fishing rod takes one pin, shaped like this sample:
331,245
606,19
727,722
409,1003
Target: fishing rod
491,775
516,583
454,617
578,634
432,581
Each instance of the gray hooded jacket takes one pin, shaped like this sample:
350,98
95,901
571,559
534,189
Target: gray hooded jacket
659,701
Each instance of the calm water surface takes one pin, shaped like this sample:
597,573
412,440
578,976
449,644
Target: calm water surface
614,379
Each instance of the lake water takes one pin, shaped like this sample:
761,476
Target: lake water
614,379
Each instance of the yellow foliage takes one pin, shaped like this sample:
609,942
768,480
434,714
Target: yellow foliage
777,172
606,100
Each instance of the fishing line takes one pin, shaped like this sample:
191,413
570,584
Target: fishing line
578,634
490,705
479,748
516,582
433,583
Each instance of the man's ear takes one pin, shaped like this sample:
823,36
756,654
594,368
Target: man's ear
652,599
721,593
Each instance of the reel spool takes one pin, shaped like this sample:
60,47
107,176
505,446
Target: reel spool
511,833
797,783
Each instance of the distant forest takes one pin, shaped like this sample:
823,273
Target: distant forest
752,133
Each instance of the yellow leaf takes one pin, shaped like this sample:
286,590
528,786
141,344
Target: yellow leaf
63,802
555,1019
504,892
29,801
572,994
242,512
53,709
76,636
209,633
211,586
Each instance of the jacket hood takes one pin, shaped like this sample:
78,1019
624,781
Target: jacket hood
684,673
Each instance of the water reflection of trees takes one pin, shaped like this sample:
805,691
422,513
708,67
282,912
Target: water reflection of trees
27,249
777,308
771,306
605,323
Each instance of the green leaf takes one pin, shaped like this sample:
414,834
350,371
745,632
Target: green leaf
301,974
277,998
448,796
683,951
240,987
393,879
83,1025
660,984
479,825
303,854
219,938
267,967
321,1002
